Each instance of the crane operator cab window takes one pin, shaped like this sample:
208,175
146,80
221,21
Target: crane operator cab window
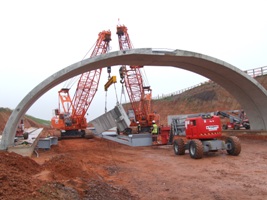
67,119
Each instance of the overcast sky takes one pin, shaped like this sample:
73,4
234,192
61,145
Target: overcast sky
39,38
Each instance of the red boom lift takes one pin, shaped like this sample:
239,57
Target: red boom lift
139,95
235,122
71,121
202,133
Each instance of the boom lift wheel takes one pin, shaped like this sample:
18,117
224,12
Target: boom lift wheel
236,127
196,149
224,127
235,145
179,147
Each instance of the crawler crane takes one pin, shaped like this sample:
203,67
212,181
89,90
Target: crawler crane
139,95
71,120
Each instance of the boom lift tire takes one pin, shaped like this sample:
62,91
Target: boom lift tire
179,147
224,127
196,149
236,127
235,145
247,126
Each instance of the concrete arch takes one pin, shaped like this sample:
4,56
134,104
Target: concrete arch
250,94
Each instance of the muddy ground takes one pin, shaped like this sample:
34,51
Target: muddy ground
101,169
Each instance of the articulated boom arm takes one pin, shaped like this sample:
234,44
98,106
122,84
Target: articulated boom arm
88,83
140,95
232,118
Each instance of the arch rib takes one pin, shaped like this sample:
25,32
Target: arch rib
249,93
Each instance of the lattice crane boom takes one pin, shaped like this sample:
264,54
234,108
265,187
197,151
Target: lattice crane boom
139,95
72,120
89,81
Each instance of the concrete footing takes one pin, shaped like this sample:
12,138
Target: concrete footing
26,147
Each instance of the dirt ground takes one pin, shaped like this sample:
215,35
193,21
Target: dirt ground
100,169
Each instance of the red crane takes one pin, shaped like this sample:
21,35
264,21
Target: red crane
71,121
140,96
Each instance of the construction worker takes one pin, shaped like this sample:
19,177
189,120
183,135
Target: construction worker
154,132
138,127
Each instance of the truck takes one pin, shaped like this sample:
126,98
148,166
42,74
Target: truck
202,135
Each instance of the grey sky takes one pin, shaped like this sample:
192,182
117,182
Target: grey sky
39,38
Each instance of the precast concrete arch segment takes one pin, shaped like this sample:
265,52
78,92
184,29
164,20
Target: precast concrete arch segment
248,92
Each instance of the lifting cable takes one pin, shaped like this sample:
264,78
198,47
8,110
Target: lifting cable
143,73
106,97
111,80
122,93
117,102
69,83
89,51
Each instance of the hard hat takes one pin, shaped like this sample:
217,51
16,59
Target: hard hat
137,122
153,121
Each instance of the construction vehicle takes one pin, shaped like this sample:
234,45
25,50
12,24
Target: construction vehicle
235,122
71,119
140,95
202,136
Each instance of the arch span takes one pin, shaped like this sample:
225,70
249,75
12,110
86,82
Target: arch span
249,93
